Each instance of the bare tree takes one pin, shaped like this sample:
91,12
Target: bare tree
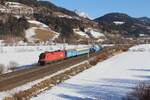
1,68
141,92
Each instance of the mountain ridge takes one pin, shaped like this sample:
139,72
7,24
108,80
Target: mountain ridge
123,24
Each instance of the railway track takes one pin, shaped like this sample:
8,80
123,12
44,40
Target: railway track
17,78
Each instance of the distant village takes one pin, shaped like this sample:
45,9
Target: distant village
16,8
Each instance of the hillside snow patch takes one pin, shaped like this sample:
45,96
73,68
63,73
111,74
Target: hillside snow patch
38,23
30,33
96,34
118,22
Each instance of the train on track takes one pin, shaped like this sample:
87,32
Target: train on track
48,57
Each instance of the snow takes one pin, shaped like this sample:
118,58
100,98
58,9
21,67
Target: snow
13,3
82,14
17,16
56,35
111,79
1,41
38,23
93,32
96,34
81,33
30,33
15,6
24,59
141,48
118,22
142,35
65,16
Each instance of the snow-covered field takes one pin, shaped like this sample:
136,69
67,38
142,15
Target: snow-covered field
108,80
28,55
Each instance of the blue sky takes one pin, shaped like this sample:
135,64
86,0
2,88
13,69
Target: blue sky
96,8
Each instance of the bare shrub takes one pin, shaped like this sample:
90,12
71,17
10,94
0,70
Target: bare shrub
19,96
12,65
8,98
93,61
141,92
102,56
2,67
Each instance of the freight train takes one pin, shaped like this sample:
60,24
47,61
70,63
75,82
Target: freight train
48,57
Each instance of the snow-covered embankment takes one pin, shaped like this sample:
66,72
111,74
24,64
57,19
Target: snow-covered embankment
111,79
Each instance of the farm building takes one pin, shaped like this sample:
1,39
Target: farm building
3,9
16,8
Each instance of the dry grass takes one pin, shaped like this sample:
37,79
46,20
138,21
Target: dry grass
43,34
59,14
94,61
9,98
2,67
141,92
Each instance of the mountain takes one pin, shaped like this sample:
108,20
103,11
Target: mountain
38,21
120,24
115,17
144,19
57,19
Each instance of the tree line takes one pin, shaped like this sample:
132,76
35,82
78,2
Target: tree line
13,26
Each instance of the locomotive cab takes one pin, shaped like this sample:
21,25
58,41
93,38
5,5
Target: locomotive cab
42,59
48,57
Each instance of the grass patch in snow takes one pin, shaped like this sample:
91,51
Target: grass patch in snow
44,35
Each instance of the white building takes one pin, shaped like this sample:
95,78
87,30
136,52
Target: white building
3,9
16,8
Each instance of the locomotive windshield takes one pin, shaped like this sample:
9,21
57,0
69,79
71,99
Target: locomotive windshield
42,56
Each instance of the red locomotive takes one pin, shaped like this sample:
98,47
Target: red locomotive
51,56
